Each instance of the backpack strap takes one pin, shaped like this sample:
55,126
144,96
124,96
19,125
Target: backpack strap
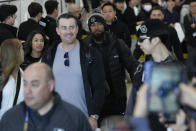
17,88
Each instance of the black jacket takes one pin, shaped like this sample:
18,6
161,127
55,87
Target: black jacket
7,32
120,30
26,27
143,15
139,76
130,19
92,72
61,116
190,33
50,30
28,59
117,57
171,18
154,119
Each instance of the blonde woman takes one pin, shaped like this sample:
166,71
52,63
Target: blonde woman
11,82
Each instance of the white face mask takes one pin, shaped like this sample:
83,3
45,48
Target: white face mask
147,8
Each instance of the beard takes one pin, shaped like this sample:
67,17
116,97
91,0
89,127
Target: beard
98,36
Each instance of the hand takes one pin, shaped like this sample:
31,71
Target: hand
93,123
140,109
172,25
180,124
188,95
139,22
22,41
193,25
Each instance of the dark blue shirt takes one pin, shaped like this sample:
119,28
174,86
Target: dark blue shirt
171,17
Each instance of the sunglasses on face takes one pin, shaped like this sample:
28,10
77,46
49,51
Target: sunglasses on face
141,39
66,56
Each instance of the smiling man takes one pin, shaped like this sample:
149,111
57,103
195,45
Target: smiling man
78,70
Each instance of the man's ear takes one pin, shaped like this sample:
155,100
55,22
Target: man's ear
51,85
155,40
7,20
57,30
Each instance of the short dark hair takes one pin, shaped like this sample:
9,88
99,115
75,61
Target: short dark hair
7,10
157,8
34,9
109,4
50,6
67,16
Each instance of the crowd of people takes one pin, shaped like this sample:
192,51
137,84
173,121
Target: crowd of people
55,74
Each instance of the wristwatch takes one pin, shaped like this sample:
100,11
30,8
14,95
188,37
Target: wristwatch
95,116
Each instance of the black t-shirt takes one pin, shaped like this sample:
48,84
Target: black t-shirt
29,60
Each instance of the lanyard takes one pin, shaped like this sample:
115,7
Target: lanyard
26,124
193,21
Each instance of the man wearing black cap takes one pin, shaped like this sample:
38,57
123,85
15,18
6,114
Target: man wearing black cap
151,38
116,58
173,44
7,20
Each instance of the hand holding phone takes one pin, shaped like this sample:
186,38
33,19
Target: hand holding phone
163,93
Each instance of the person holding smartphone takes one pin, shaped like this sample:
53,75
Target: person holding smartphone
152,36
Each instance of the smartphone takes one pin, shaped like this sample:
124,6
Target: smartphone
163,94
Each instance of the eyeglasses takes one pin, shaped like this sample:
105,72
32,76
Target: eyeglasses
141,39
66,56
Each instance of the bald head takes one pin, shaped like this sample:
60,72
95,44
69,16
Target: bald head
38,86
40,68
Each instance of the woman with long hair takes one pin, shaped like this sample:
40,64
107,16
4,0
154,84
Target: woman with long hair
11,82
34,47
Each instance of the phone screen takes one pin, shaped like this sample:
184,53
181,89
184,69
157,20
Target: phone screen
164,91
